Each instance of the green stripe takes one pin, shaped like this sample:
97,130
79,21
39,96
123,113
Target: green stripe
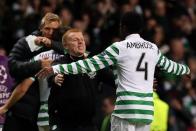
62,70
69,67
78,67
142,121
127,93
95,64
43,111
173,68
87,66
103,60
177,69
160,59
116,50
111,56
135,102
186,70
43,119
133,111
44,102
169,65
181,70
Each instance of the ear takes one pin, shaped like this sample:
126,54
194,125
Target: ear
65,45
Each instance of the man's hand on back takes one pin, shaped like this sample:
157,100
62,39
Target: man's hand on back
59,78
46,62
43,73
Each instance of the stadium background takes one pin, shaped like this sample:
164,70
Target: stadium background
168,23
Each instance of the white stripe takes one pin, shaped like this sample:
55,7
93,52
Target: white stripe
188,72
134,98
107,58
159,54
175,68
74,68
56,69
112,51
180,67
134,116
162,61
99,62
171,66
120,88
65,69
91,65
41,115
143,107
82,66
42,123
166,64
44,107
184,69
116,81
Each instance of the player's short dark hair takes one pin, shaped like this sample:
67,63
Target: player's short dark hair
132,22
58,34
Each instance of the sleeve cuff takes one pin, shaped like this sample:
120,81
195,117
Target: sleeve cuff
31,42
56,69
188,72
32,78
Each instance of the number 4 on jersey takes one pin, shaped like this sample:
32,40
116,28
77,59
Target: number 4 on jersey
145,69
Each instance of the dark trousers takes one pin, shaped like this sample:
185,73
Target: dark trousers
64,128
15,123
57,124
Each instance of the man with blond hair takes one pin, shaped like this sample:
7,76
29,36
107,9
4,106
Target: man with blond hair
22,116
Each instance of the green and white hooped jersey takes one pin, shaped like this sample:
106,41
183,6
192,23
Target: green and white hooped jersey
135,59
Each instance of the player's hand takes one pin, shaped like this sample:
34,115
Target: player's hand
46,62
186,79
38,41
59,78
46,41
3,110
43,41
43,73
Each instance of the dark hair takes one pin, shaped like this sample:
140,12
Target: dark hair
131,22
58,34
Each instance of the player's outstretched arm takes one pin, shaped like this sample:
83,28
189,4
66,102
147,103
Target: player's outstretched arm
172,67
17,94
97,62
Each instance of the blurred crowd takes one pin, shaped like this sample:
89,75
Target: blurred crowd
171,24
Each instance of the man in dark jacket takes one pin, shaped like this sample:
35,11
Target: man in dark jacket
72,105
23,115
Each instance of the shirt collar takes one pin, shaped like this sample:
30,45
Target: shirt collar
133,36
